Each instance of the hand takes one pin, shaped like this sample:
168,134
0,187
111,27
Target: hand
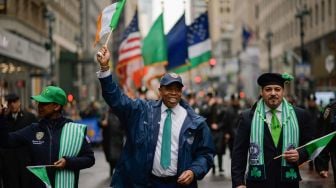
103,56
214,126
241,186
291,155
3,109
186,177
323,174
60,163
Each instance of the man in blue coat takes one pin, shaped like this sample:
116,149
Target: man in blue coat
167,145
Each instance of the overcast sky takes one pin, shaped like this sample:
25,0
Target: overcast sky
173,9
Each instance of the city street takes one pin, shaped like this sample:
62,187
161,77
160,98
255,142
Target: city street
98,176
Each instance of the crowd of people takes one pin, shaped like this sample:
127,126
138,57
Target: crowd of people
169,142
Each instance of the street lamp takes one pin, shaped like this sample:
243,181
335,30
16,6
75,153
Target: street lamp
50,17
269,36
301,13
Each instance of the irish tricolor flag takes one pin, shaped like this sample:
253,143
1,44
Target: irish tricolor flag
108,19
315,147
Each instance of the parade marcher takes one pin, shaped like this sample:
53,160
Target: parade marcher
211,111
113,136
15,160
233,113
314,113
270,128
54,140
167,143
328,124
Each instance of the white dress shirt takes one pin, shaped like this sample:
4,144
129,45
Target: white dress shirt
269,115
178,116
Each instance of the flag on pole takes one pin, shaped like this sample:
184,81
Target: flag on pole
315,146
177,45
130,58
41,173
199,43
108,19
154,48
246,35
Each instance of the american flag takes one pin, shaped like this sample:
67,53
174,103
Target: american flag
130,59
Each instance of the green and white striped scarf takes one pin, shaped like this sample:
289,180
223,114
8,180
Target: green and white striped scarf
290,138
71,142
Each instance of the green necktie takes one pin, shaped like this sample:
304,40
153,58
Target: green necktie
275,127
166,141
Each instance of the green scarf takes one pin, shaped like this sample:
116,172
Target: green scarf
290,140
71,142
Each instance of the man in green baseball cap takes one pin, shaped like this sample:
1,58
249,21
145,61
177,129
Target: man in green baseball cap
55,141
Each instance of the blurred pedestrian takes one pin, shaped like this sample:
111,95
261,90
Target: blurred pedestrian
314,114
167,144
54,140
15,160
328,124
212,111
233,113
270,128
113,136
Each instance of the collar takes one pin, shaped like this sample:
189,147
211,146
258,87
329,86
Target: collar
278,109
164,108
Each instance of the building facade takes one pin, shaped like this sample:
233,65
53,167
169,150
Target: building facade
304,34
23,56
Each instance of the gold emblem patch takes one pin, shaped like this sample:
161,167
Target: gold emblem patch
39,135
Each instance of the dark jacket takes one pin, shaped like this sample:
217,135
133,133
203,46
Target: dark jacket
272,167
141,120
327,124
15,160
43,140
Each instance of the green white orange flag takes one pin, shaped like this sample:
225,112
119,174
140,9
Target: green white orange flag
41,173
315,146
108,20
154,47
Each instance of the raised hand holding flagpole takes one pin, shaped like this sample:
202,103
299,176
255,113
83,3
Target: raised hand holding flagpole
108,21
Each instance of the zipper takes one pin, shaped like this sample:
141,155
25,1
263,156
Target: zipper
50,143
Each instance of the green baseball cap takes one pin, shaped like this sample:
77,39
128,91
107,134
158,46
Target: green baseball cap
51,94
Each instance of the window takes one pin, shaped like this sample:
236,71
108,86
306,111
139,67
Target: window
316,14
322,11
3,6
329,8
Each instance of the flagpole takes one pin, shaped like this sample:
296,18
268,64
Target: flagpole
307,143
277,157
108,37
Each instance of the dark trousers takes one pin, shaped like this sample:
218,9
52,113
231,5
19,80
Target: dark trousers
166,182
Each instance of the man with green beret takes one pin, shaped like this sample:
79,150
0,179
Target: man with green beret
272,127
57,146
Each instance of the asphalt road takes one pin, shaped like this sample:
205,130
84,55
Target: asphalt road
98,176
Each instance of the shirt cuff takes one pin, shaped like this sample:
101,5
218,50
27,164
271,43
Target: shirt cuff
104,74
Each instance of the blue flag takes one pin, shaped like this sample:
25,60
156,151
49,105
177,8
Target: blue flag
177,44
246,35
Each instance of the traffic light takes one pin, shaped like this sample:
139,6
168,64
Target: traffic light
198,79
70,97
212,63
